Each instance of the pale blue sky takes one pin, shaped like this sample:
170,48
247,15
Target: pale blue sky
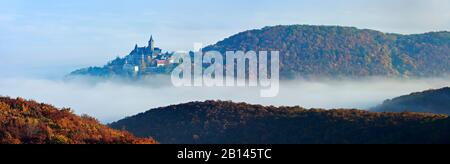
51,37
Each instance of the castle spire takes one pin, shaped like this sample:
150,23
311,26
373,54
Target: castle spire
151,43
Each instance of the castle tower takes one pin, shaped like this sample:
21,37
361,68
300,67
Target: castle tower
151,44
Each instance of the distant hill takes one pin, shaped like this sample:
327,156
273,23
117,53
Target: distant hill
29,122
332,51
432,101
239,123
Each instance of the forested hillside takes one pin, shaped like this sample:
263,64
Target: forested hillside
239,123
29,122
431,101
333,51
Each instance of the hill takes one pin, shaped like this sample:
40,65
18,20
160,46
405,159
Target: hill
29,122
431,101
213,122
333,51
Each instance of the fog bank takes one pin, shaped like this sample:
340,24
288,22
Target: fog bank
110,100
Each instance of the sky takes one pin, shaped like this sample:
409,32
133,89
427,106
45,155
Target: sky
50,38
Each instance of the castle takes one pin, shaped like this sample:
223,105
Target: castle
141,61
146,59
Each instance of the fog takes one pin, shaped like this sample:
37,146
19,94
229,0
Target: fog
110,100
